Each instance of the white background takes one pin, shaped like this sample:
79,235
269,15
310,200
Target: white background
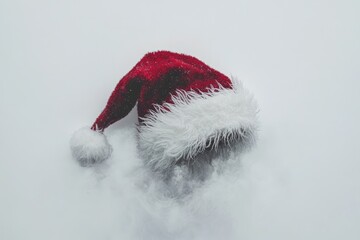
60,60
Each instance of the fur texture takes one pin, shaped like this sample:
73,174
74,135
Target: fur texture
89,147
195,122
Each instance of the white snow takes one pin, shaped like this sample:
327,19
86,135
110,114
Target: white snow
60,60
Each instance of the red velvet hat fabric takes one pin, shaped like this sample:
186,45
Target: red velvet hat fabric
153,80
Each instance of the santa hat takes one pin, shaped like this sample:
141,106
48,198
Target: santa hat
184,107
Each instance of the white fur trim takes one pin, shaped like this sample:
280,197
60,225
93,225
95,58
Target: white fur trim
89,147
183,129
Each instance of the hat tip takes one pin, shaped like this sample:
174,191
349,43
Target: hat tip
90,147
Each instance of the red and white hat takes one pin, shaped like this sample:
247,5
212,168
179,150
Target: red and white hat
183,107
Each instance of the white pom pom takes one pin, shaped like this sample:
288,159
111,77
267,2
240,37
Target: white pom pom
90,147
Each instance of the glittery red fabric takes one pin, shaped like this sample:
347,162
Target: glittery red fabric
153,80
